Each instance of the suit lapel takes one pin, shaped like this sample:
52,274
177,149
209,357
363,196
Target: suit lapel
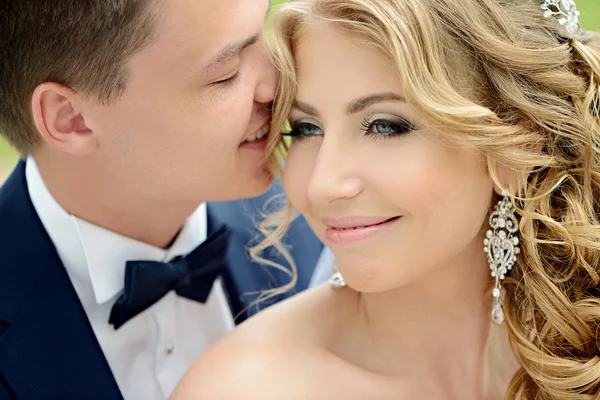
48,348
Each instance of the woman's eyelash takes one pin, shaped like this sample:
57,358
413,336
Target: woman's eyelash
295,131
377,128
382,128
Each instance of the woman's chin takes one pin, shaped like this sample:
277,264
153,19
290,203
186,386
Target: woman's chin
366,283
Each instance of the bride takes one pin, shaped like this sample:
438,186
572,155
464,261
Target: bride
448,152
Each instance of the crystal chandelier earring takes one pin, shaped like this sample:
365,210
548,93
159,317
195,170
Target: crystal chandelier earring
502,246
336,280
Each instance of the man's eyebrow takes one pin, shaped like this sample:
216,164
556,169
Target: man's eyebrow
229,51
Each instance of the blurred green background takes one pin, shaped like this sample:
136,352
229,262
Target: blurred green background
590,19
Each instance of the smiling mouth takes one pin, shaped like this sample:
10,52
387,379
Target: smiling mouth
349,231
259,135
353,228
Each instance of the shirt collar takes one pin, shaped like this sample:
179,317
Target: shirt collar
97,254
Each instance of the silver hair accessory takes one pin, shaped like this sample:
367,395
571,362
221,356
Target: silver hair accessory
565,11
502,246
336,280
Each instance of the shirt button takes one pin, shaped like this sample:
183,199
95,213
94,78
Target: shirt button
170,348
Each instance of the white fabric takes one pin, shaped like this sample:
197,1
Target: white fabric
151,352
323,269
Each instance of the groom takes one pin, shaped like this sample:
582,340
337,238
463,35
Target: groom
117,267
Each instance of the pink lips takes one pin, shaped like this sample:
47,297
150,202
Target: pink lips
353,229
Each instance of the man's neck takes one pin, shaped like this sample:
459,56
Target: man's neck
120,208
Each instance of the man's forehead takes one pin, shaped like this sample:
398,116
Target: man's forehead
215,18
209,27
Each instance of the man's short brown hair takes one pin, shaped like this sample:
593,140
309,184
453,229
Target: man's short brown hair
84,44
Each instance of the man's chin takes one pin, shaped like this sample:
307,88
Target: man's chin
261,185
254,186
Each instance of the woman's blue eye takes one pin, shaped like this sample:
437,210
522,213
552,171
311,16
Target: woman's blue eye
376,129
384,128
387,128
304,130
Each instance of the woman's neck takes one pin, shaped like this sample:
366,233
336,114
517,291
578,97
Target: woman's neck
434,330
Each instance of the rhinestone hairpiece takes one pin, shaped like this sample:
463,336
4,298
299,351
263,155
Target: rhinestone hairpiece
565,11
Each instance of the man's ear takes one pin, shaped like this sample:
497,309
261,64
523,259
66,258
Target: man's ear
58,120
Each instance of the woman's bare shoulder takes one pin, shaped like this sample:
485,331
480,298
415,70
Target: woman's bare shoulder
271,356
238,369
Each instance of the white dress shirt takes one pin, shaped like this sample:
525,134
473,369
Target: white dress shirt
151,352
323,269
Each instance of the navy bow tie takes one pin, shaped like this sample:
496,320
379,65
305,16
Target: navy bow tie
192,276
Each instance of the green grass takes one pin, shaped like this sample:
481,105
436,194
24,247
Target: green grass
590,19
8,158
590,14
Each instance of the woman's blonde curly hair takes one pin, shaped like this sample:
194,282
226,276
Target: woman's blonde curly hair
498,75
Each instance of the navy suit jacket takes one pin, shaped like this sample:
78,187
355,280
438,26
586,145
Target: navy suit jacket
47,347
